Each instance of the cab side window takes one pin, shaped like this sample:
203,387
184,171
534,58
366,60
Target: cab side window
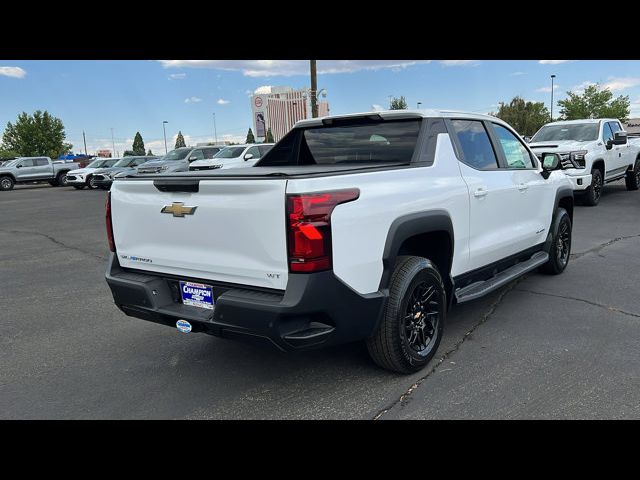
27,163
477,151
255,152
515,153
41,162
607,134
196,155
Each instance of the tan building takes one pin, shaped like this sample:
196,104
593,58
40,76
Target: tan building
104,153
279,108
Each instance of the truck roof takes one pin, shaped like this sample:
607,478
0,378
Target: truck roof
584,120
401,114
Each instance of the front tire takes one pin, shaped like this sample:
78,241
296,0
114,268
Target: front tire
413,319
91,183
560,250
632,180
594,191
6,183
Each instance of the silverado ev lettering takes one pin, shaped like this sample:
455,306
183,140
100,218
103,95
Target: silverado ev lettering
359,227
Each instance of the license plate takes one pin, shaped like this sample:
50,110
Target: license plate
197,295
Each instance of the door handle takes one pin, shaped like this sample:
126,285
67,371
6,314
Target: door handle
479,193
522,187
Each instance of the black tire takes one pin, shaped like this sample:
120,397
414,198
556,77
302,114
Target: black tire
91,183
6,183
78,187
62,179
560,250
632,180
413,319
594,191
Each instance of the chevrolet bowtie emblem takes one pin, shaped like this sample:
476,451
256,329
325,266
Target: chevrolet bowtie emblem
178,209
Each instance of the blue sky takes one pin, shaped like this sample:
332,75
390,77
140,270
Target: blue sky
134,95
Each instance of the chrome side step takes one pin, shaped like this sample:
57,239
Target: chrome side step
479,289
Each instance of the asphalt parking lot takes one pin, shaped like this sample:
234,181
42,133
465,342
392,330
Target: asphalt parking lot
542,347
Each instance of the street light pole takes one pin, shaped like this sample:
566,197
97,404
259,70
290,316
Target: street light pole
84,138
164,130
215,130
419,103
552,77
113,142
314,89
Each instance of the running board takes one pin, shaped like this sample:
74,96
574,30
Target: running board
478,289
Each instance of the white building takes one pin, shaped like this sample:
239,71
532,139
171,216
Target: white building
279,108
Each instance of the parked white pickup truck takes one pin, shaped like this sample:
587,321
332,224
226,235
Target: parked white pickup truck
594,152
366,226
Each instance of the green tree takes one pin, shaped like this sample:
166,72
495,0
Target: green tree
35,135
180,141
8,153
129,153
269,138
398,103
595,102
250,137
525,117
149,153
138,145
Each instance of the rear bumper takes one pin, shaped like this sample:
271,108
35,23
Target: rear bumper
102,183
315,310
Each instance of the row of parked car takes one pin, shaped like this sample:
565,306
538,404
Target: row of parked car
101,172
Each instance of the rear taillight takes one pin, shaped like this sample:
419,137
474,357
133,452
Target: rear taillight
112,243
309,228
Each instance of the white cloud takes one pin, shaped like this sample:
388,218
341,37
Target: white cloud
460,63
635,108
376,108
547,89
15,72
621,83
269,68
192,100
517,74
553,62
579,89
177,76
263,90
221,101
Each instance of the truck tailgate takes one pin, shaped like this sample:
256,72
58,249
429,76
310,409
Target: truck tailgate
236,234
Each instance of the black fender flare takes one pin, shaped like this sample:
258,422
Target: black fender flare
563,192
10,175
408,226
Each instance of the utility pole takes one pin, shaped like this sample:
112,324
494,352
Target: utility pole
314,89
552,77
84,138
164,130
215,130
114,144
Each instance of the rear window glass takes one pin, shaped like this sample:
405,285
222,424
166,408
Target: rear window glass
383,142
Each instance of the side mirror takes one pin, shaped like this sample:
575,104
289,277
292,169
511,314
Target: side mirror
550,162
619,138
527,139
19,165
248,156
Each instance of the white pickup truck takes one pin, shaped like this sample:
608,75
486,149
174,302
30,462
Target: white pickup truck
593,152
366,226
